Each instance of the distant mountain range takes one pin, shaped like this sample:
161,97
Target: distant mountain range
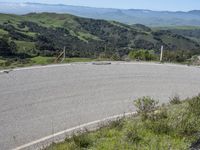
128,16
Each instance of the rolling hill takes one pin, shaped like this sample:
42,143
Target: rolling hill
47,33
128,16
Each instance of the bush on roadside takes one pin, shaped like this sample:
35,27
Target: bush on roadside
159,114
81,140
117,124
115,57
194,105
145,55
175,100
145,106
132,135
158,126
184,124
157,121
185,118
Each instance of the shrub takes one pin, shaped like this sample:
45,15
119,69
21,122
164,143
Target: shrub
115,57
158,121
132,136
118,124
158,114
145,106
158,126
81,140
186,124
185,119
175,100
194,105
146,55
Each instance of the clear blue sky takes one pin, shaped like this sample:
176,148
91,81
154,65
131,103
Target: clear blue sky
172,5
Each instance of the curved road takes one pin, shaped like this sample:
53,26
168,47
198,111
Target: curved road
36,102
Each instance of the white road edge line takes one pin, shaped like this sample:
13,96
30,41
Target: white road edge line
72,129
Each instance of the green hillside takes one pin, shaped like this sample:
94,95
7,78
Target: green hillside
191,32
46,34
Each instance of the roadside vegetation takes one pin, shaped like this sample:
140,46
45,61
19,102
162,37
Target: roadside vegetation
182,57
144,55
174,126
23,60
10,63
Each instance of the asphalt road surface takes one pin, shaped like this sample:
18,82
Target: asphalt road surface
37,102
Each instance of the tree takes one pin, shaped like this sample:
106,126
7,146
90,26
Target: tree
4,47
13,47
142,55
115,57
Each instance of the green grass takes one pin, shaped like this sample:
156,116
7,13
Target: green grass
42,60
39,60
43,19
176,27
2,62
50,19
32,34
24,46
173,126
76,59
50,60
87,36
3,32
9,18
11,63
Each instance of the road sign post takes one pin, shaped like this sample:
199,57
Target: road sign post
64,53
161,53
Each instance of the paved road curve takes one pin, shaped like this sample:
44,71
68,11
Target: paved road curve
36,102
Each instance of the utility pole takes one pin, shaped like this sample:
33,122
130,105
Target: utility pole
161,53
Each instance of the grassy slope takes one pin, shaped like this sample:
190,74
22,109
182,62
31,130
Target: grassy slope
49,20
170,127
177,27
6,64
181,28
